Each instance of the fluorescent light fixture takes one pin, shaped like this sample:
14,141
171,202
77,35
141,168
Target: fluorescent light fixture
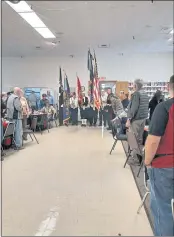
25,11
45,32
32,19
22,6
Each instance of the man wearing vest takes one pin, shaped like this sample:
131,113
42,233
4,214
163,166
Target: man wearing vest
138,109
14,114
159,159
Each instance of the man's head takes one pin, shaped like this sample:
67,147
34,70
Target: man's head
171,87
33,92
47,104
17,91
74,95
44,96
138,84
109,91
48,93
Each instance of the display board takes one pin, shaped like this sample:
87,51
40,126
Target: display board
39,91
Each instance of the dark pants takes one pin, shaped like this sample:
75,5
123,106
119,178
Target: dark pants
92,116
24,125
74,116
161,194
109,115
102,117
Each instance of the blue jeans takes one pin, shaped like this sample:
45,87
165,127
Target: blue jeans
18,132
161,194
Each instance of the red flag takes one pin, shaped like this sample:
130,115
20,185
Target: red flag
96,94
79,90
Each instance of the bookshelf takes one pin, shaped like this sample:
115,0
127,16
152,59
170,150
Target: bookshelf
152,87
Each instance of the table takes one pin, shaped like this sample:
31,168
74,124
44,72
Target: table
42,120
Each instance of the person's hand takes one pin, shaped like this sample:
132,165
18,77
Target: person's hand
128,124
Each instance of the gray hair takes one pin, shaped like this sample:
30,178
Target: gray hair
139,83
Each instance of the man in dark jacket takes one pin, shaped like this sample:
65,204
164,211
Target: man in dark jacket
156,99
138,111
125,101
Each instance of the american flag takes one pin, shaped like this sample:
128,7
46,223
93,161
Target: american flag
96,89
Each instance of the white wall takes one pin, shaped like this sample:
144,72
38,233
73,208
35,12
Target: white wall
44,72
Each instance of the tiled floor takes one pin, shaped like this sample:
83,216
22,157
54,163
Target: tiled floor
71,172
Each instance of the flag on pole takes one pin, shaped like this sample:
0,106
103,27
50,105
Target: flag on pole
66,101
60,98
96,89
91,72
79,90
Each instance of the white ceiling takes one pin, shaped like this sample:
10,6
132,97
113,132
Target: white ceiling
89,24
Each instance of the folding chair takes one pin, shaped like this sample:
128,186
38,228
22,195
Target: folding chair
172,204
117,136
9,131
134,146
42,120
31,131
146,181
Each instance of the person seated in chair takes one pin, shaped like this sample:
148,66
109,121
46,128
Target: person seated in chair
49,110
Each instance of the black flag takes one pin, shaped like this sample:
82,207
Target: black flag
60,99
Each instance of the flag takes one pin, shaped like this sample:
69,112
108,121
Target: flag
96,89
79,91
96,94
91,72
66,100
60,98
95,67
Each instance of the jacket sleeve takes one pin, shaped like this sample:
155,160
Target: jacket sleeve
17,104
134,105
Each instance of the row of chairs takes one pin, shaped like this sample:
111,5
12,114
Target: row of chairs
130,140
29,130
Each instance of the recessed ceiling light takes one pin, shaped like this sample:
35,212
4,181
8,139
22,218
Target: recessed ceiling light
32,19
45,32
22,6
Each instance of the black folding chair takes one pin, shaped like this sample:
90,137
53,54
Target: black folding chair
172,204
9,131
134,146
146,181
117,136
31,131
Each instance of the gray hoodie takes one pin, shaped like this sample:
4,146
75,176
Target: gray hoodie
14,107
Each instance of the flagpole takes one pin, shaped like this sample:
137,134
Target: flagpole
102,126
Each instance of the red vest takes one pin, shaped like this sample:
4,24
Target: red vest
166,145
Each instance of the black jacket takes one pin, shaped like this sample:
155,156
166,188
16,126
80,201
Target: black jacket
152,105
85,103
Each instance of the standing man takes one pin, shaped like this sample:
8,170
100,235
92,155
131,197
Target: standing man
25,113
138,112
14,114
74,109
102,113
125,101
84,109
32,98
159,159
50,98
